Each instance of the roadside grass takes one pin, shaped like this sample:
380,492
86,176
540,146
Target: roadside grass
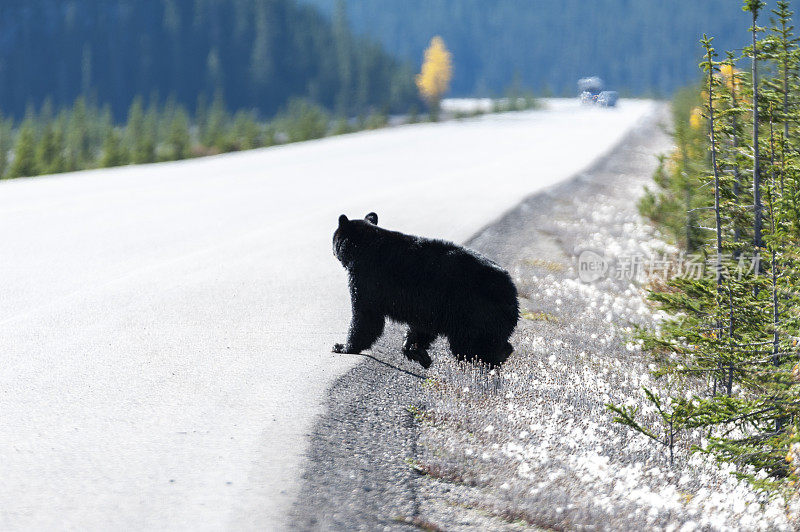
537,435
539,316
548,265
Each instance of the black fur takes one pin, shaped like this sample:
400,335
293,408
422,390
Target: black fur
436,287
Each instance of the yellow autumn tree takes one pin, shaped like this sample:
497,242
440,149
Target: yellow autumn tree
437,71
696,119
730,76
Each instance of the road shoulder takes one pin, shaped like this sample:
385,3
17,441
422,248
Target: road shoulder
363,465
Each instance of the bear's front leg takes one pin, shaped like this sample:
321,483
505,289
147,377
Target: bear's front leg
416,346
365,328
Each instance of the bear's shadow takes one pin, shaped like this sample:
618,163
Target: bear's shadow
396,368
386,350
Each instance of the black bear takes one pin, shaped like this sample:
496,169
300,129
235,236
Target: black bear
433,286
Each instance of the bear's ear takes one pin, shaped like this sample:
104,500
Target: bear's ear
372,218
342,220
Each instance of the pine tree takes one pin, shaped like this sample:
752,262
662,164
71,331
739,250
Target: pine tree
343,47
78,140
6,142
245,131
215,134
754,6
114,152
201,116
24,163
179,140
262,68
50,150
303,120
139,137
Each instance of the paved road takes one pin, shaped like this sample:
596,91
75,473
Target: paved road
358,475
166,328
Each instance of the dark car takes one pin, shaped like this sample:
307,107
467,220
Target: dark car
607,99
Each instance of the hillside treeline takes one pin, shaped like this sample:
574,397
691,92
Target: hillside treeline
641,47
257,53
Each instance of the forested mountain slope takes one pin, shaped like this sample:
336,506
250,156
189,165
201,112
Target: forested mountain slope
257,52
642,47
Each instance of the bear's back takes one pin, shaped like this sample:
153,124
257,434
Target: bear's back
415,278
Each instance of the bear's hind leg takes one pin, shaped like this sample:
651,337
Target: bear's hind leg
416,346
365,328
501,354
460,351
481,351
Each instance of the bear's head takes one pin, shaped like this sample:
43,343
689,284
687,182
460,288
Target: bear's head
350,234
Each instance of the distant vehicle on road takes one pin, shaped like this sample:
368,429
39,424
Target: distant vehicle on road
587,98
590,88
607,98
591,92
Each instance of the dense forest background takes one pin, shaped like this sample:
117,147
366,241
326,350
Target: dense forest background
257,53
260,53
640,47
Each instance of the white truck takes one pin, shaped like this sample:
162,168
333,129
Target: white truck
592,93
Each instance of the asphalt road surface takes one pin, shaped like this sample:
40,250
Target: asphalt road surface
166,329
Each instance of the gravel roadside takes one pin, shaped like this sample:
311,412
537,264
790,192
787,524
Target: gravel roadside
369,451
